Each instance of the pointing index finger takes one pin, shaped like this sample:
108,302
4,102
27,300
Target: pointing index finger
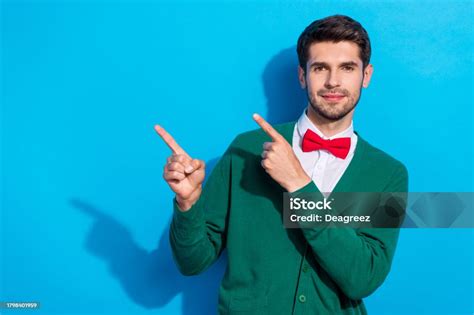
169,140
269,130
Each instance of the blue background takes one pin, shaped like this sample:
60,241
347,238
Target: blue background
85,212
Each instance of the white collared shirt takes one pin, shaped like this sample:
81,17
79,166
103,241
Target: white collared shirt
324,168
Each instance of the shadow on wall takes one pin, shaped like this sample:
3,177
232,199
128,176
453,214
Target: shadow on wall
285,98
151,279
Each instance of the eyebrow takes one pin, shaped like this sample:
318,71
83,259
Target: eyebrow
325,64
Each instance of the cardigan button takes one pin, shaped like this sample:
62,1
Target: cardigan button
305,268
302,298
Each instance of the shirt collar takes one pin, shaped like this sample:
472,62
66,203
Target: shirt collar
304,123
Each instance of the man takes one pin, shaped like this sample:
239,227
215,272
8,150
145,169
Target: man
273,270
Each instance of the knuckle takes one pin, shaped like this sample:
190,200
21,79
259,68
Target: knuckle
174,166
176,175
177,158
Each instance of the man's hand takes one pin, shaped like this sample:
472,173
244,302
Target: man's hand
279,160
183,174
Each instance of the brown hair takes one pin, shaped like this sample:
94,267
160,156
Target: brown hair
335,28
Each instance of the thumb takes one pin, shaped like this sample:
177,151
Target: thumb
197,164
194,165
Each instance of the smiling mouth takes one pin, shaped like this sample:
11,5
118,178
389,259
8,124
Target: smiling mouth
333,97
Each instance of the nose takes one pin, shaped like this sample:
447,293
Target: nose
332,80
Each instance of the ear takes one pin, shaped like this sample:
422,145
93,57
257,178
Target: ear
369,69
301,77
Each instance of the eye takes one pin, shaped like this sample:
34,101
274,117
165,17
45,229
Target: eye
319,68
348,68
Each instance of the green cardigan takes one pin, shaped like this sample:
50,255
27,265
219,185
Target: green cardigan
273,270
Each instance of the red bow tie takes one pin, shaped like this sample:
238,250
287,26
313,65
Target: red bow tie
339,147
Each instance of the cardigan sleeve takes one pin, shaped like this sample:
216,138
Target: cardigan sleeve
198,236
357,260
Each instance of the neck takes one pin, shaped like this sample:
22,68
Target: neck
329,127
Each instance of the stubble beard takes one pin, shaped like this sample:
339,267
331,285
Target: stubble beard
333,112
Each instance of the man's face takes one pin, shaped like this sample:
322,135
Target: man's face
333,78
